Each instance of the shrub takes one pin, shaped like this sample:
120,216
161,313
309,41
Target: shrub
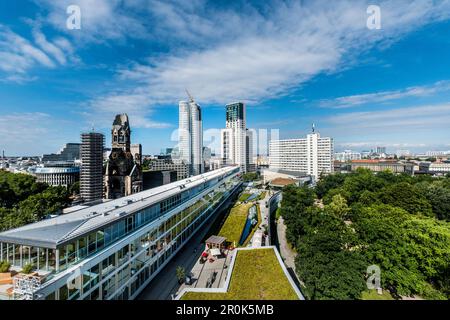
28,268
4,266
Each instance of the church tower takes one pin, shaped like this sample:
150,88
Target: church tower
123,175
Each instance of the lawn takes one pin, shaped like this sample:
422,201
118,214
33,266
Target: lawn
262,195
257,275
235,222
373,295
244,197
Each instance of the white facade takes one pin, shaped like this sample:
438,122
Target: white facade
312,156
347,155
439,167
197,139
190,136
235,148
184,136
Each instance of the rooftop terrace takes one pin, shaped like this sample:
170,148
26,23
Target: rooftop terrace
255,274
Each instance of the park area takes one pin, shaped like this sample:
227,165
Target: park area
257,275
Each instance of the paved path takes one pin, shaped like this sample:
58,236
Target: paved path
286,252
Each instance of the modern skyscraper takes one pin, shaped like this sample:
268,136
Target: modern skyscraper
91,176
236,146
190,134
312,156
123,175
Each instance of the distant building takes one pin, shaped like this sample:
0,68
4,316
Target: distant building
249,161
167,164
281,178
153,179
382,165
435,167
190,133
123,175
437,153
381,150
58,173
136,152
207,159
236,140
262,161
91,175
312,156
69,152
403,153
347,155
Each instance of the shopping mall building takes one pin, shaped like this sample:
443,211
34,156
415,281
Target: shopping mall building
114,249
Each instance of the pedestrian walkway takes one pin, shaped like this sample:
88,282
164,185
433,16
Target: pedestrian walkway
286,252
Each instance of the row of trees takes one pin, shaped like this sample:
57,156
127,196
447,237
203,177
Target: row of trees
23,200
349,222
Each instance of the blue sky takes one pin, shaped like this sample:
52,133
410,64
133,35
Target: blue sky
293,62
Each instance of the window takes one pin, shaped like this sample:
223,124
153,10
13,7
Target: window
92,238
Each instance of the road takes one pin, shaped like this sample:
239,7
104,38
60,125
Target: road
166,283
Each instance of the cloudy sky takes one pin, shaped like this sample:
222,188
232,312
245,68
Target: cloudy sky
293,62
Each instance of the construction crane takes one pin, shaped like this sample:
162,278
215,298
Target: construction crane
191,99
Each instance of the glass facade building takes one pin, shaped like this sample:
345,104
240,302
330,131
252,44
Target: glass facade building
113,250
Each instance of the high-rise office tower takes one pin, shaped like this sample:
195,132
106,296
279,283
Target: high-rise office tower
91,175
236,146
190,134
312,156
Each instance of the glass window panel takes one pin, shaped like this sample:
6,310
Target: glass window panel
92,238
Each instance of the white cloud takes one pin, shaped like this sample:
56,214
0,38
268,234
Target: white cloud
253,55
242,52
19,55
102,110
386,96
413,119
100,19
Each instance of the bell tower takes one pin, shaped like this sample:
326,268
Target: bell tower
121,133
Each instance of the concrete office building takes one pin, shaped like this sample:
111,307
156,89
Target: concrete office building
312,156
69,152
167,164
190,135
113,250
91,175
153,179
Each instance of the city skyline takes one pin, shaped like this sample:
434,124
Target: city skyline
365,89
